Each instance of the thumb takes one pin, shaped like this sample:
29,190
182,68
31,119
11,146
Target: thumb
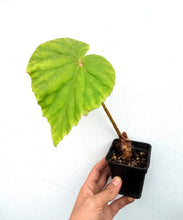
111,191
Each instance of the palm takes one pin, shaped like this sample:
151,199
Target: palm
105,212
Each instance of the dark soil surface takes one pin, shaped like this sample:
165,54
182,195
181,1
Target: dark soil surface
138,159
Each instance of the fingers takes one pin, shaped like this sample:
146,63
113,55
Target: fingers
97,170
104,177
120,203
110,192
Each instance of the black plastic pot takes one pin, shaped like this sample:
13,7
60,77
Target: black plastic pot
133,177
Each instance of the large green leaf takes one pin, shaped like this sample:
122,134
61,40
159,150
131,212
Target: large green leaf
68,84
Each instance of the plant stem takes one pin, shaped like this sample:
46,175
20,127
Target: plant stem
111,119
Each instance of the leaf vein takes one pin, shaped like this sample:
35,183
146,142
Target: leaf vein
53,68
101,81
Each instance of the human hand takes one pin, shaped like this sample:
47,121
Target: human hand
93,198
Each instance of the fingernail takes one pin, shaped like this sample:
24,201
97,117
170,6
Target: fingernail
130,199
116,180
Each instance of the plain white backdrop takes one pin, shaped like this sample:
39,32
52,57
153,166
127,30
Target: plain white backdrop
144,42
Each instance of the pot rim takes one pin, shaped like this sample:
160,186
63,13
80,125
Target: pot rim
135,147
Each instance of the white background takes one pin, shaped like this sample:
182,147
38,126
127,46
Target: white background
144,42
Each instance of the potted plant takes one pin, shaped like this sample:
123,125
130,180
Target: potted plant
68,84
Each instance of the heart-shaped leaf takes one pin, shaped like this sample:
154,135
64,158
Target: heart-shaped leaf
68,84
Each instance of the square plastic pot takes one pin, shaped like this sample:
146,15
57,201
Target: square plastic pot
133,177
